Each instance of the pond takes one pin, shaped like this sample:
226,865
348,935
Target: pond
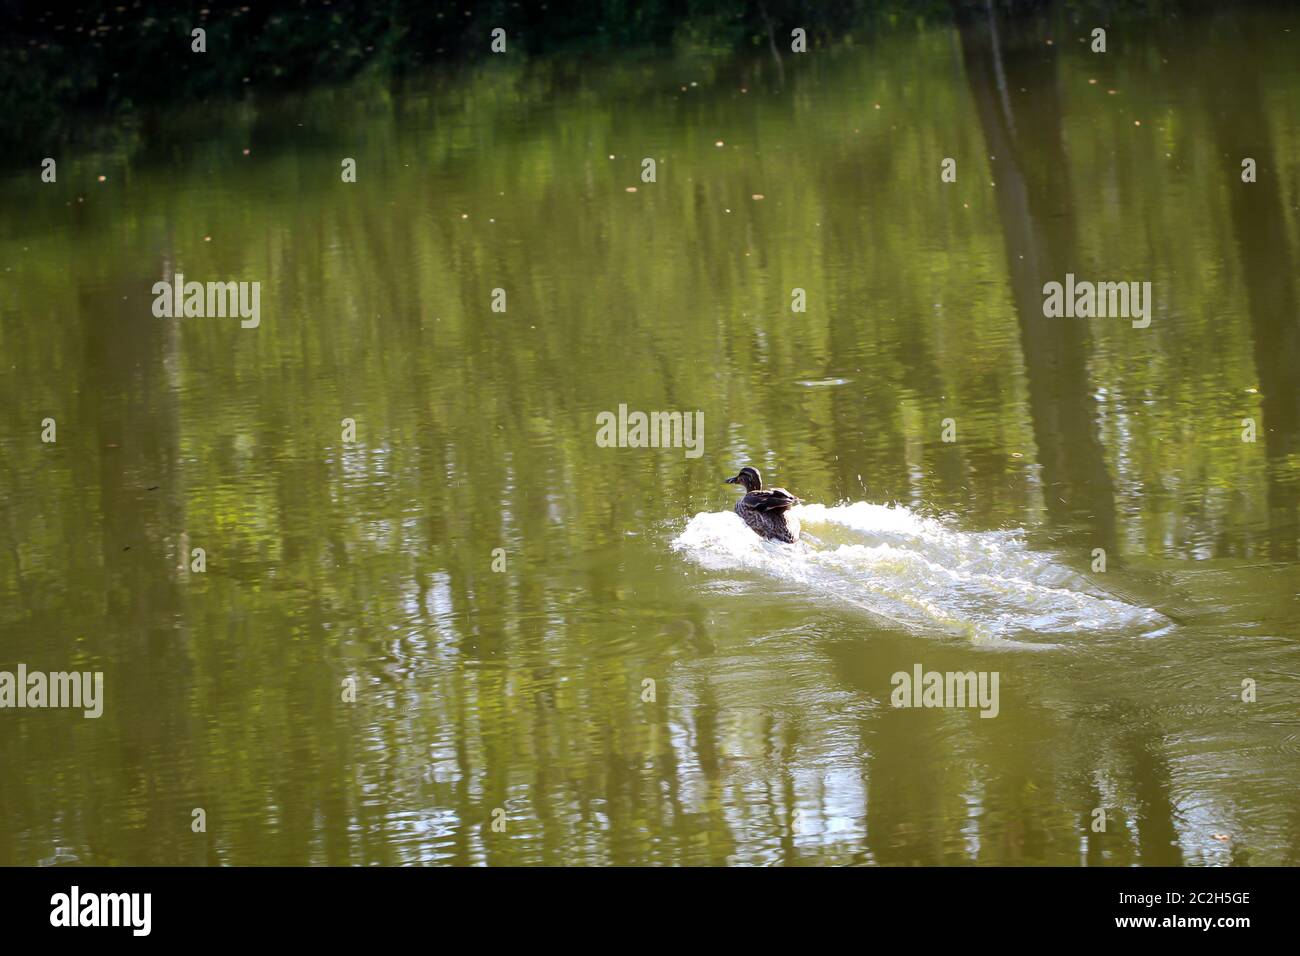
388,576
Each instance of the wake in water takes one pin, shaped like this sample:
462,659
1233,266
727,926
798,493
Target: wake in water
921,575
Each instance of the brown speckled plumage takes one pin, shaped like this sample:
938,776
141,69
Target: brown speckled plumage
767,512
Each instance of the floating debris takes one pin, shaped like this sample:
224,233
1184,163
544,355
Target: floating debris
824,382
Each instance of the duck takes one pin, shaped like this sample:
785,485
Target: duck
767,512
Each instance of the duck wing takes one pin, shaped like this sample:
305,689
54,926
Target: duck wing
774,499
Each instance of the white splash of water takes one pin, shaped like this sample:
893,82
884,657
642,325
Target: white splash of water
920,574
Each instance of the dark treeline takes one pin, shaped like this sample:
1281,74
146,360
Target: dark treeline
106,58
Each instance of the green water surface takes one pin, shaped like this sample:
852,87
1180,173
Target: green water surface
770,738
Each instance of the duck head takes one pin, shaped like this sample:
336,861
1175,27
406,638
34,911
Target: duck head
749,477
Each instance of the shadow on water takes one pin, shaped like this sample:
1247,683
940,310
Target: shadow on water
1013,80
1234,100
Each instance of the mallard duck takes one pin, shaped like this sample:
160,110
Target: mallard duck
766,512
